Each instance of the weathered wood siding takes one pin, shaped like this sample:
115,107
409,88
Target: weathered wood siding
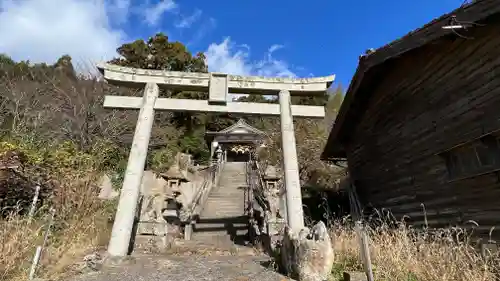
431,100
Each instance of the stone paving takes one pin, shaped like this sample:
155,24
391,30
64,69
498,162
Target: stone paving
187,268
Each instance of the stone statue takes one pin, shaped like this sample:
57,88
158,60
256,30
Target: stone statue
308,254
154,194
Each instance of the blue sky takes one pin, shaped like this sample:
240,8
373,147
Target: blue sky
275,38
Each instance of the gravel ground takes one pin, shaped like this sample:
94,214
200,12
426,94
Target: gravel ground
187,268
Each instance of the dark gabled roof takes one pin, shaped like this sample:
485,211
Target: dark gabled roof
370,65
241,125
240,128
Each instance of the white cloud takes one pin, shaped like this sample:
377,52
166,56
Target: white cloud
203,31
119,10
235,59
153,13
275,47
186,22
43,30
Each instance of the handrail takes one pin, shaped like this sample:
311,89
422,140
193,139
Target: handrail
260,187
210,179
257,192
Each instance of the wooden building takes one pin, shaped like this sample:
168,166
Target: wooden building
420,122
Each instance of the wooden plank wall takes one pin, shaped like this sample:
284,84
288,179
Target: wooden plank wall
438,97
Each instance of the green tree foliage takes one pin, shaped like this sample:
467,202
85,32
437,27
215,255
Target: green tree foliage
6,60
159,53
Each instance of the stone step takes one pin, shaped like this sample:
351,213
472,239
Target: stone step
218,202
221,215
208,227
225,201
220,231
222,209
220,236
226,207
237,211
232,209
227,193
219,239
215,207
235,219
222,203
233,197
232,185
210,214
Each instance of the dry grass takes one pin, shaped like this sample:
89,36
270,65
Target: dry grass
68,243
406,254
58,123
75,233
80,225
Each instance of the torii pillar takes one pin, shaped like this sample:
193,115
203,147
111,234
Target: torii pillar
218,86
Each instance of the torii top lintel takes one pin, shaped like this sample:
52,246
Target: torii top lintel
192,81
218,85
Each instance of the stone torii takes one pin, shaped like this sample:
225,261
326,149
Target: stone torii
218,85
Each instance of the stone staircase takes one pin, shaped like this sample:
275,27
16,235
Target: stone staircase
223,220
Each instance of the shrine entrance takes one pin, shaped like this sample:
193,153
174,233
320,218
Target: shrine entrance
238,152
236,142
218,86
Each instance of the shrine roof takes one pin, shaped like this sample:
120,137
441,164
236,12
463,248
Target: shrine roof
239,128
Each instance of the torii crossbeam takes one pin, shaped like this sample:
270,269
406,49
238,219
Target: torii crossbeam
218,85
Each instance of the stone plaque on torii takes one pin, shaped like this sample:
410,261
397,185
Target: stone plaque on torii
218,85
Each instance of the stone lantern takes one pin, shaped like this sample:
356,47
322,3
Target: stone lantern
174,177
271,177
176,194
276,217
219,153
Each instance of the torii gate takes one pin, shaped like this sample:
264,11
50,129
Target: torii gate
218,85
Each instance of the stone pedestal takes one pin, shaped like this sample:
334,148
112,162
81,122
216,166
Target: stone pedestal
153,228
355,276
